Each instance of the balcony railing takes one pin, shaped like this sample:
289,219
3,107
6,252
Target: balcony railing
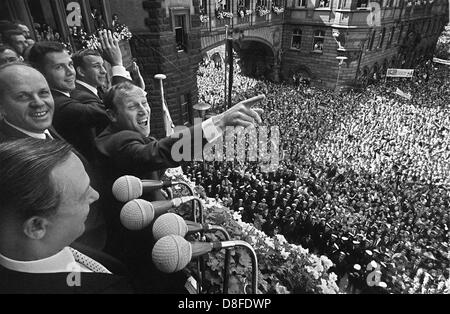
244,20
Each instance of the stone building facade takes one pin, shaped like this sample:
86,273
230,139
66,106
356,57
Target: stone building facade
332,43
349,42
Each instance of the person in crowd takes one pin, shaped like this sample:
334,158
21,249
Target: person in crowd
26,103
27,109
126,148
8,54
368,185
78,120
26,32
16,40
45,194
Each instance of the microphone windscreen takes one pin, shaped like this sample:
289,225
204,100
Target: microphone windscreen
171,253
127,188
137,214
168,224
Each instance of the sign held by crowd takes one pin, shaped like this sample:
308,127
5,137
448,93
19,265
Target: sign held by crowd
400,73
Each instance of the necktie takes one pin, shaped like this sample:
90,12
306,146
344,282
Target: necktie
48,135
88,262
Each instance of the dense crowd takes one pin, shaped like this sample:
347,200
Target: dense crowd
364,177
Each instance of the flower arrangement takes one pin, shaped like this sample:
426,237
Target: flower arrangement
123,31
227,15
277,10
221,14
242,12
262,11
283,267
204,18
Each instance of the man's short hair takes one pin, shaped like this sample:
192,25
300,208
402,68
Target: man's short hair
7,35
40,49
6,25
78,56
26,186
4,47
110,96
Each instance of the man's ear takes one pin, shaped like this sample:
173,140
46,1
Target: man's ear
80,72
111,115
35,227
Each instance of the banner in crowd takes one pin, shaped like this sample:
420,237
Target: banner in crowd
403,94
442,61
400,73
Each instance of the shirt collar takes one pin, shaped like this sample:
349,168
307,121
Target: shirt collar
61,262
64,93
31,134
89,87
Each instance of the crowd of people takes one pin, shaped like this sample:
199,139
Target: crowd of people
71,124
364,176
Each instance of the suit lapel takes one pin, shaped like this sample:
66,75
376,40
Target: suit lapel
86,90
11,132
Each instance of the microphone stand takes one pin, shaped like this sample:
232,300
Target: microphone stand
191,191
201,261
254,264
226,273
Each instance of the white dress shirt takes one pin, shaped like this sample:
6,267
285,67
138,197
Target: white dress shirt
61,262
41,136
210,131
89,87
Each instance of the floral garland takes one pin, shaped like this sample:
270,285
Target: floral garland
262,11
92,41
277,10
283,267
204,18
123,32
243,12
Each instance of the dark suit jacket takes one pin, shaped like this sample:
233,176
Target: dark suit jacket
78,121
25,283
95,234
125,152
8,133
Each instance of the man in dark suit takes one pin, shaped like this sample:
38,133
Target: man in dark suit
27,107
26,103
125,148
78,117
45,195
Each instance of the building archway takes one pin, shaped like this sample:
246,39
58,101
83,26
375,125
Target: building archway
300,76
256,58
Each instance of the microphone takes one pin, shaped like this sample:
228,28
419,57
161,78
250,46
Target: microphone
171,223
138,214
172,253
127,188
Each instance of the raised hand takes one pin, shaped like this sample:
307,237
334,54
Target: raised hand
110,47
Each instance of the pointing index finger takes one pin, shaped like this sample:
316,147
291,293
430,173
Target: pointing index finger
251,101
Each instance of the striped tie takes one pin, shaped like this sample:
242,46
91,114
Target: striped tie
88,262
